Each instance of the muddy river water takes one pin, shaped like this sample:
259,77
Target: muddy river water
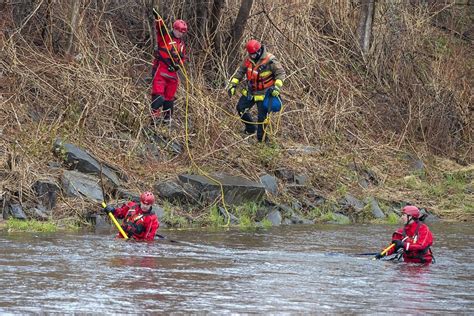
283,270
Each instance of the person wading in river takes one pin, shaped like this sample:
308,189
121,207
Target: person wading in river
139,220
414,239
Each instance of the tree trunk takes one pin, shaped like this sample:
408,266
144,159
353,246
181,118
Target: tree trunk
6,21
366,19
238,30
73,26
201,15
21,9
216,14
151,20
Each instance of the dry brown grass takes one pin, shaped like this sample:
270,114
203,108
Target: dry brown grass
411,93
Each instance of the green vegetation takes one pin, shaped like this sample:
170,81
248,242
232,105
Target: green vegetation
172,217
341,107
71,224
335,218
341,190
16,225
393,218
325,214
450,190
266,223
215,218
268,154
441,46
246,222
247,214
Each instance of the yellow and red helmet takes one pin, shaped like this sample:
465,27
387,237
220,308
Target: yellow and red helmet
147,198
412,211
180,26
253,46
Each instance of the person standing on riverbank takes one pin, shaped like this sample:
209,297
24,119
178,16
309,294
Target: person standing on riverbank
139,220
263,73
170,56
414,239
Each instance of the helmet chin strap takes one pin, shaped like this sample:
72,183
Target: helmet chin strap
258,54
409,219
145,207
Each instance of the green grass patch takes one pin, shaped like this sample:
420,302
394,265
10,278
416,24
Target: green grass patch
325,214
448,190
413,183
454,183
268,154
341,190
327,217
245,222
247,214
215,219
16,225
248,209
172,218
266,223
334,218
71,224
392,218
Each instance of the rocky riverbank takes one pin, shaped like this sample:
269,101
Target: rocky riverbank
285,197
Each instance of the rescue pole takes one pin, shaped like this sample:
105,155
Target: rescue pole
388,248
112,217
104,205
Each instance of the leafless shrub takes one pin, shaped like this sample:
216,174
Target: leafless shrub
77,73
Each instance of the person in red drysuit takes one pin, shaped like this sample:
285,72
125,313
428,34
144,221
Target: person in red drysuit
139,220
415,238
169,57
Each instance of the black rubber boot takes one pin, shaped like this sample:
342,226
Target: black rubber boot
168,107
156,102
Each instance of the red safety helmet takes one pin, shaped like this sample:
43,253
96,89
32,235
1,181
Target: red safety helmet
412,211
253,46
180,26
147,198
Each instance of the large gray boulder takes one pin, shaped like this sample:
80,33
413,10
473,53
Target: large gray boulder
173,191
275,218
47,191
366,176
237,190
351,203
158,210
296,219
15,211
76,184
123,193
415,163
270,183
285,174
375,208
40,212
301,179
170,145
77,159
338,218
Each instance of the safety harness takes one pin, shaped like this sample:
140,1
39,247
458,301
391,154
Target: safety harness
133,224
419,254
172,58
258,76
